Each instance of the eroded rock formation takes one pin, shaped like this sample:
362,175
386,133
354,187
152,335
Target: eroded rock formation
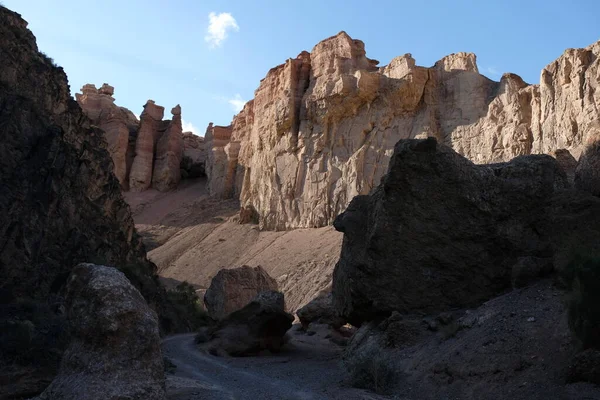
322,126
232,289
60,204
112,325
440,232
146,153
118,123
193,161
259,325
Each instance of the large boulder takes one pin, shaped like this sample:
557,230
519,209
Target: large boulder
114,353
232,289
260,325
320,310
441,232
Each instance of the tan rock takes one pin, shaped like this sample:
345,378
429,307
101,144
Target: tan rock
115,121
322,126
169,151
140,177
232,289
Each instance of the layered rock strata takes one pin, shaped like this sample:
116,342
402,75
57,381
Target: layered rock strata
322,126
147,152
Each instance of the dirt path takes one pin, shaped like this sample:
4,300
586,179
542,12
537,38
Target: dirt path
309,370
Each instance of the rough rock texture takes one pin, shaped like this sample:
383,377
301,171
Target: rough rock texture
441,232
516,346
59,202
147,153
260,325
587,173
111,325
320,310
322,126
140,177
193,161
232,289
116,122
169,151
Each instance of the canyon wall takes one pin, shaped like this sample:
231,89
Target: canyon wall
322,126
147,152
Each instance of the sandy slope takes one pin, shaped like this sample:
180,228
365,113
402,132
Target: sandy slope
192,236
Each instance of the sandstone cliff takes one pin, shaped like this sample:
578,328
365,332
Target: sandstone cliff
322,126
147,152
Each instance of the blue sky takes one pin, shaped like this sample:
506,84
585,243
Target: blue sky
168,52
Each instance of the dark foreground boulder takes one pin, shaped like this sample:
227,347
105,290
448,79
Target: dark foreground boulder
232,289
441,232
114,353
320,310
260,325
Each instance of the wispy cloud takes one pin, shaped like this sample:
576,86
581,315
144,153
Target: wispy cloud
237,102
218,27
189,127
492,71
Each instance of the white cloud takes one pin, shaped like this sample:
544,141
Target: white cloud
189,127
218,26
237,103
492,71
137,116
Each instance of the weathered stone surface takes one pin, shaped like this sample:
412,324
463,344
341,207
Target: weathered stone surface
260,325
111,325
59,203
232,289
169,151
140,177
587,173
115,121
322,126
320,310
193,161
441,232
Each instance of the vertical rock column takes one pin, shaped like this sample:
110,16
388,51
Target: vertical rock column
140,177
169,150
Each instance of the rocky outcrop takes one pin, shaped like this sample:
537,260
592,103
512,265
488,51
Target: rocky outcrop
441,232
118,124
320,310
60,204
322,126
232,289
169,151
111,324
146,153
587,171
140,177
260,325
193,161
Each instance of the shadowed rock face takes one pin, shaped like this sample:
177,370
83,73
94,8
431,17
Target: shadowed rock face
115,348
441,232
232,289
60,204
322,126
259,325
